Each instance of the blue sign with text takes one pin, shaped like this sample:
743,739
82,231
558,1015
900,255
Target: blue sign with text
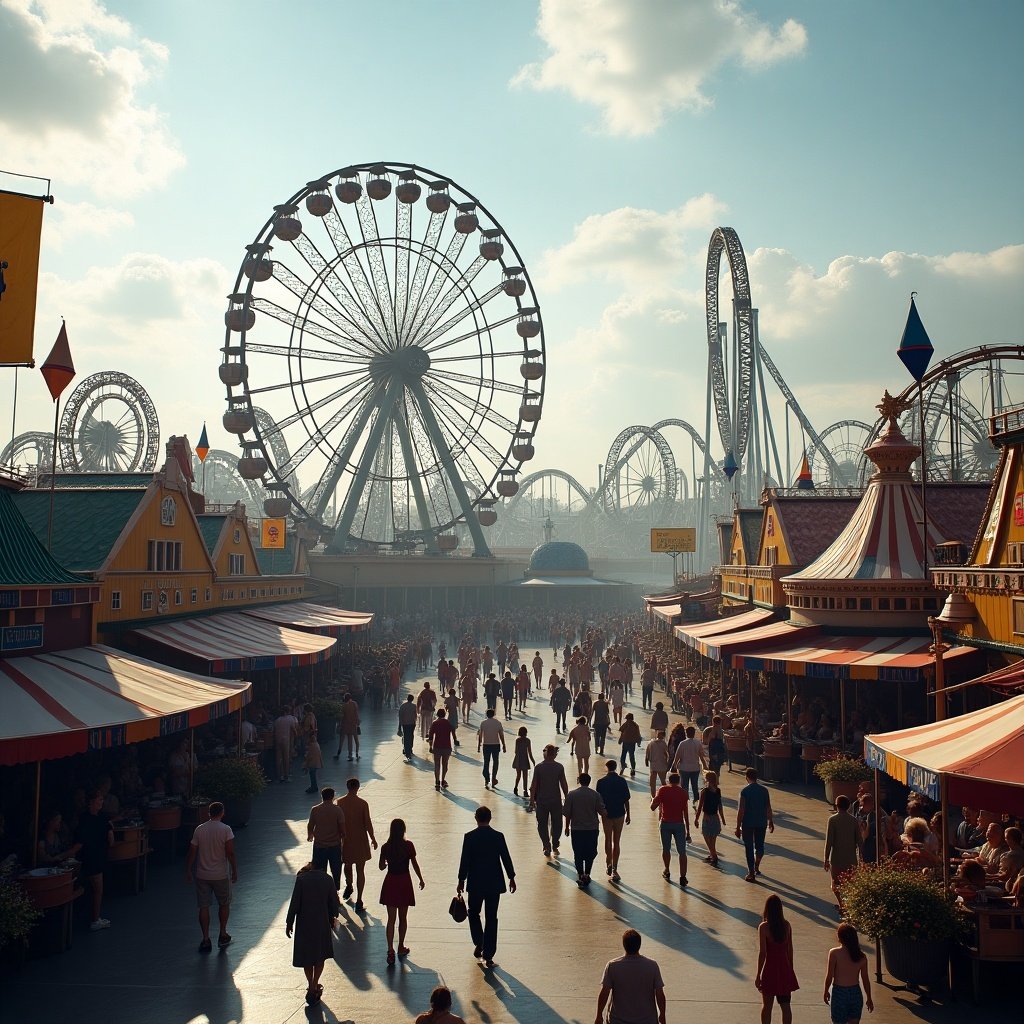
21,638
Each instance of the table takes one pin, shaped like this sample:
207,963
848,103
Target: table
997,937
131,851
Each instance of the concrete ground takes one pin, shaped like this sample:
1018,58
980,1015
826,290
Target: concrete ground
554,938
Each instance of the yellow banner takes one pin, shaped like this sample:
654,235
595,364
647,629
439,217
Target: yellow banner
674,540
272,533
21,223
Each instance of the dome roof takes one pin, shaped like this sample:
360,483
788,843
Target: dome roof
558,556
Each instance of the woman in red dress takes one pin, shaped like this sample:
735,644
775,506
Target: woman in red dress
775,977
396,856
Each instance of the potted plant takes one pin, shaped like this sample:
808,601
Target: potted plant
841,775
234,781
911,916
327,711
17,914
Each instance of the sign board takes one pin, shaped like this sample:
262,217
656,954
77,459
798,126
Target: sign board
675,540
21,638
272,533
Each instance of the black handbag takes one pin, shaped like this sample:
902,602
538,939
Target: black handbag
457,909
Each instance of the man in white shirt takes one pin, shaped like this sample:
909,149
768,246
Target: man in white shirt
490,738
286,731
212,851
690,757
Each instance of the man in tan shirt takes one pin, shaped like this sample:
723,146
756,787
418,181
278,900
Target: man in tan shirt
326,831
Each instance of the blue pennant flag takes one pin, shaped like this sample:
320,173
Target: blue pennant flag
729,467
915,346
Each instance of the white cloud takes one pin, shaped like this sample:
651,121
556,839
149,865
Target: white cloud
72,109
639,60
67,222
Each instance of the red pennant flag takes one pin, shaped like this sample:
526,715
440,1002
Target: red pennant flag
59,369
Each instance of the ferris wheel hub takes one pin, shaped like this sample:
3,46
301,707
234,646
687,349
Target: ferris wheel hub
409,362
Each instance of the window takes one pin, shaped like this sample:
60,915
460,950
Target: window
177,597
164,556
252,592
883,604
915,604
930,604
1013,553
207,593
115,600
1018,616
851,604
865,604
899,604
147,600
771,555
236,565
194,595
238,536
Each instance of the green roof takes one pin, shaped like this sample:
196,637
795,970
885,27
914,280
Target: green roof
92,481
86,523
210,526
277,561
23,558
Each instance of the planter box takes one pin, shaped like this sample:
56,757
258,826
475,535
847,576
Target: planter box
916,961
163,819
48,889
834,789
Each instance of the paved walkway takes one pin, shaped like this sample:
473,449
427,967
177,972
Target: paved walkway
554,939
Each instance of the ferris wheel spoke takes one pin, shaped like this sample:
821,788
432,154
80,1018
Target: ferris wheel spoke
286,384
424,264
475,333
475,357
473,437
361,306
287,351
304,326
303,411
453,395
320,435
378,268
426,331
474,382
442,269
403,232
413,465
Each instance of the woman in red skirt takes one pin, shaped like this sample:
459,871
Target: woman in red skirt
396,856
775,977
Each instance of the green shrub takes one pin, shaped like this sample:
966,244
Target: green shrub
882,900
17,912
231,778
840,768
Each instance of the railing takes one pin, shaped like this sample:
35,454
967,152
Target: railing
1007,421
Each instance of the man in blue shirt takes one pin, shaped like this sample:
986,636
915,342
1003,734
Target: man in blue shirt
753,819
614,791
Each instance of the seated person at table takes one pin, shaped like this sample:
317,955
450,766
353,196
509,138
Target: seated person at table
968,835
1012,861
969,881
807,724
826,732
1017,890
993,849
915,852
53,848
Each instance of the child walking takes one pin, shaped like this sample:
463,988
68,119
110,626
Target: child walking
314,760
847,971
521,761
710,806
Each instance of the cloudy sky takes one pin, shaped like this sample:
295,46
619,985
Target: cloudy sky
861,150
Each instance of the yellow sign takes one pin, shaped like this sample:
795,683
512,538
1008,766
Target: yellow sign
272,533
674,540
21,222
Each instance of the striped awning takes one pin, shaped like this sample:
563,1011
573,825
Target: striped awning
235,642
722,646
313,618
977,751
91,698
668,612
653,600
894,659
692,632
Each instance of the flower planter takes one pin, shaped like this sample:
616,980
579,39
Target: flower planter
163,819
48,887
834,789
916,961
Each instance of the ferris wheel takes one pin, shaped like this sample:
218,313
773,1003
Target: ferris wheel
384,323
109,425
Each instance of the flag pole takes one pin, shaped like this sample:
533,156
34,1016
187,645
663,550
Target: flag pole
53,474
14,415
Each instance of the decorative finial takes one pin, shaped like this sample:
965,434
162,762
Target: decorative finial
892,407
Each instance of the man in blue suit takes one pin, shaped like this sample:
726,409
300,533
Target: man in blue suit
482,869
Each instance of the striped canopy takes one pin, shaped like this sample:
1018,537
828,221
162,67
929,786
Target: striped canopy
982,753
90,698
235,642
313,618
692,632
894,659
768,635
668,612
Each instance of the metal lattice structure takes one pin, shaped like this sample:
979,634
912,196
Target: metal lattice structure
845,464
31,452
109,425
394,342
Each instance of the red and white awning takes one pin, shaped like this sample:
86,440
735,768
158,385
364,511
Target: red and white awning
981,753
896,659
235,642
313,618
722,646
668,612
692,632
90,698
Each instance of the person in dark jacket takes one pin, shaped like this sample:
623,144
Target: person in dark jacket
312,912
482,869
